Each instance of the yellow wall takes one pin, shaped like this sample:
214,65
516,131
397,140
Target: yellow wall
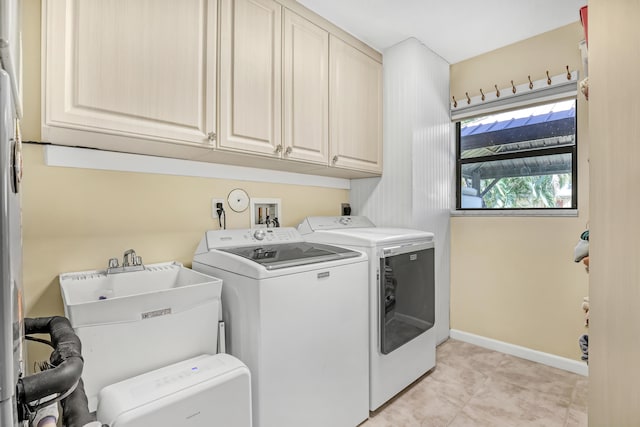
76,219
513,279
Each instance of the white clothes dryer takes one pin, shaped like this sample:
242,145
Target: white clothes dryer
296,314
401,280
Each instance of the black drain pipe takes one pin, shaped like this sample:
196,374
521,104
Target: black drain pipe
75,408
67,363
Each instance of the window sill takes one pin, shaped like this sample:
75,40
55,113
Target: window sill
515,213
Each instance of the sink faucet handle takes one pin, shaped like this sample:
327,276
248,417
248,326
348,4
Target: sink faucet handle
113,263
137,260
125,258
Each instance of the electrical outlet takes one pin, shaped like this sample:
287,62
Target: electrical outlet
214,208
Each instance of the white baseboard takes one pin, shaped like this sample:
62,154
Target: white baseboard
575,366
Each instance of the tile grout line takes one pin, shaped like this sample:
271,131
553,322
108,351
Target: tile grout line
488,375
566,417
475,392
573,399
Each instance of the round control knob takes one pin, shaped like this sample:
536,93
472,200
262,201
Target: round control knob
259,234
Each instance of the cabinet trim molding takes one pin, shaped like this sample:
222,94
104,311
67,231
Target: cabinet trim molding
310,15
83,158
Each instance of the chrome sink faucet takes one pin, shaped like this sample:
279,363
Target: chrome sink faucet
130,259
130,262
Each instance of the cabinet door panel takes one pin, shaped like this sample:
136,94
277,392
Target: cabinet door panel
355,108
141,67
250,99
306,90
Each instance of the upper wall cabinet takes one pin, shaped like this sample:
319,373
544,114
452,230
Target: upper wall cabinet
141,68
258,83
250,76
355,105
306,90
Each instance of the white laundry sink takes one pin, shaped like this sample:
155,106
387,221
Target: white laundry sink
133,322
95,297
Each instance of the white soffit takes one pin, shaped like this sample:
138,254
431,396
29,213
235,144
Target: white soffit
454,29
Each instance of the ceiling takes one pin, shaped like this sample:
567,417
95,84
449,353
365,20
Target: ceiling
454,29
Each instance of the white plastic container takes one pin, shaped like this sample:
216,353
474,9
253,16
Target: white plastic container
203,391
135,322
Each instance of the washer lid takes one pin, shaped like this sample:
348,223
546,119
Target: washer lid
274,257
371,237
317,223
357,231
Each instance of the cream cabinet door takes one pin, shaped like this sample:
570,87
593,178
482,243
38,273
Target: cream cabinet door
355,108
306,90
250,76
141,68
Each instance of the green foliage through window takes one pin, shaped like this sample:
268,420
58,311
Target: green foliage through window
540,191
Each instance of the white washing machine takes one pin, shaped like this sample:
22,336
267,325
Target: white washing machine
402,341
296,314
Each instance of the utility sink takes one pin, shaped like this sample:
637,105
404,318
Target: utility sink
133,322
95,297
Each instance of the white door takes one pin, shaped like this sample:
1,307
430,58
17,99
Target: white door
306,90
250,76
141,68
355,106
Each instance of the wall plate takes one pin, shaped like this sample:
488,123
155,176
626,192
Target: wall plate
238,200
214,207
266,213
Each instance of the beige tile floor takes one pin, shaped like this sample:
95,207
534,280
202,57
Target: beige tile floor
473,386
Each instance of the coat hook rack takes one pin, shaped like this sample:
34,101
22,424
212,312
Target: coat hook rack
537,85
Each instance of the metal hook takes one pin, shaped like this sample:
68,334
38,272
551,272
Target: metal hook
568,73
482,93
513,88
530,83
497,91
548,78
468,99
455,103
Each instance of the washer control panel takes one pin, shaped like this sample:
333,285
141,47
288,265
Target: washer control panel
250,237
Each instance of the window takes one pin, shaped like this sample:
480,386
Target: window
521,159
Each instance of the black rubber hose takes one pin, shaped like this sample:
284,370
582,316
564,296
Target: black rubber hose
67,359
75,408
